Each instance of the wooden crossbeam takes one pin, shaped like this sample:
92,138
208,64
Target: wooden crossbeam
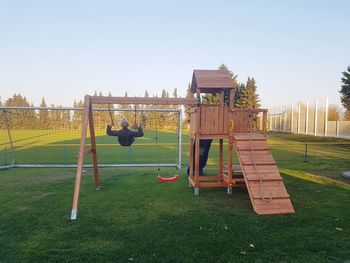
143,101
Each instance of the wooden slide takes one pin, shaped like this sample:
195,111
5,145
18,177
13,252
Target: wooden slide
263,180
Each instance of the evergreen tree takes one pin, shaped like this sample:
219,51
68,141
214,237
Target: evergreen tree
20,119
43,116
189,94
145,115
249,98
345,89
175,93
77,115
55,117
128,115
66,119
238,94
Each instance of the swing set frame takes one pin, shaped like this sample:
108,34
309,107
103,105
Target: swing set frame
87,121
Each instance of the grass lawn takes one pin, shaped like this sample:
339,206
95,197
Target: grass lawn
135,219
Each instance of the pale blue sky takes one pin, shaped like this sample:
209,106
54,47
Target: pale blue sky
296,50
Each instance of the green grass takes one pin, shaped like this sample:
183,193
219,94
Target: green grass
135,219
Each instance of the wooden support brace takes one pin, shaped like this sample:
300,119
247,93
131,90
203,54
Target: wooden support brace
143,101
79,171
93,148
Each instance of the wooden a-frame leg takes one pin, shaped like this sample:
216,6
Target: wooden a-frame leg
80,159
93,148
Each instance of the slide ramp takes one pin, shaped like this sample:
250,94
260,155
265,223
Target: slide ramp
263,180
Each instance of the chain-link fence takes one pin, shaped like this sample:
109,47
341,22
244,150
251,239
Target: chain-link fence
318,119
50,137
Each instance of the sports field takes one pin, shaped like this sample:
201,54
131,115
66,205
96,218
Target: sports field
135,219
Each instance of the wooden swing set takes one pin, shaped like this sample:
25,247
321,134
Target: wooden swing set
257,170
88,121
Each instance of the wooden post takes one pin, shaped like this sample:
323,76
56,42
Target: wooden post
197,149
81,154
222,98
196,170
229,164
221,158
191,158
232,99
264,120
93,148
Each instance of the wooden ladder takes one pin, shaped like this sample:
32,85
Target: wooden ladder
263,180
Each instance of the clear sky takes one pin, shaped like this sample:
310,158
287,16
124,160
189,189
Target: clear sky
62,50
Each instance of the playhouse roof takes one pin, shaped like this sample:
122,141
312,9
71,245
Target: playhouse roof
211,81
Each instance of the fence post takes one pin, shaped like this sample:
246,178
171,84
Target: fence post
65,154
129,153
291,119
5,159
337,129
285,118
280,124
315,125
326,119
270,124
307,117
305,154
298,120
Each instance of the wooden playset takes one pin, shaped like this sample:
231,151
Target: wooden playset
257,170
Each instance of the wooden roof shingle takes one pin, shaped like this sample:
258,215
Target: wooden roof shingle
211,81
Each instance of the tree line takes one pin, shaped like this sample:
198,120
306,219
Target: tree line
43,119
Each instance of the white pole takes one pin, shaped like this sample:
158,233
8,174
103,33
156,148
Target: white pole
280,126
285,119
326,119
291,119
307,117
315,125
298,121
337,129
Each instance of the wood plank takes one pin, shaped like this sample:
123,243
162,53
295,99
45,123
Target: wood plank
264,177
212,184
268,185
142,100
256,145
275,194
246,136
209,178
